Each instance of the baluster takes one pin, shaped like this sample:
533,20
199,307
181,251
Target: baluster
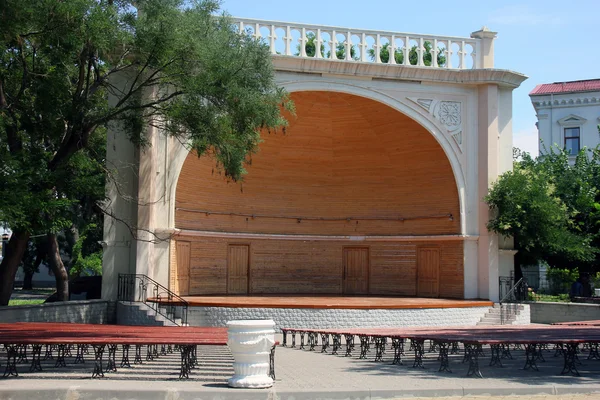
333,44
288,41
257,34
392,50
474,55
406,50
420,52
449,54
303,42
462,55
363,48
434,54
378,49
349,46
318,45
272,38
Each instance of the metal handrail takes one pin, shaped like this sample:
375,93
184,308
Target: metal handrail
129,284
514,295
512,291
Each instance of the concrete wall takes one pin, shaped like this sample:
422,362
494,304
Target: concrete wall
547,313
81,312
335,318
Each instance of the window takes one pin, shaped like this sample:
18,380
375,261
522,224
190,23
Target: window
572,140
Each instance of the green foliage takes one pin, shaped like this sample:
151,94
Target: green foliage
311,49
551,208
561,279
413,55
83,261
61,64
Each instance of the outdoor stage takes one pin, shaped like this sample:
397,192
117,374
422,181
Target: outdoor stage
311,311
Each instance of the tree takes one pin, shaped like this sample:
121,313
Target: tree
33,257
551,208
188,73
311,49
413,56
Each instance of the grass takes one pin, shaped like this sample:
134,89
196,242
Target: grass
25,302
561,298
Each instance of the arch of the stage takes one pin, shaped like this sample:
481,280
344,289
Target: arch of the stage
320,86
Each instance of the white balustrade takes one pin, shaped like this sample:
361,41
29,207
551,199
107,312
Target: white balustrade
354,45
250,343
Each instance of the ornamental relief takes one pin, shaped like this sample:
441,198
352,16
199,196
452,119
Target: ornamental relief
448,113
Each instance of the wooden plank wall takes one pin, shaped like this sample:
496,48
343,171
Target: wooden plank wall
342,156
303,267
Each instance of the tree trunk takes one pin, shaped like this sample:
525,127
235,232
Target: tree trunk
58,268
10,263
28,280
29,272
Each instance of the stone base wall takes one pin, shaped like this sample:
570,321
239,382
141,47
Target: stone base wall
547,313
133,313
80,312
523,317
338,318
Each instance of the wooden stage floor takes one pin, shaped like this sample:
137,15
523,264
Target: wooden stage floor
339,302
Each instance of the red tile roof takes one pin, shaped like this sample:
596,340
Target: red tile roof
567,87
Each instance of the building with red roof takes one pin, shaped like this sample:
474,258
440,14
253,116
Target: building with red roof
568,114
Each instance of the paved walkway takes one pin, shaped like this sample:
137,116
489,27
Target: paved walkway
309,375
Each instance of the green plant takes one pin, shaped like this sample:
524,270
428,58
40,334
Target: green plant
561,279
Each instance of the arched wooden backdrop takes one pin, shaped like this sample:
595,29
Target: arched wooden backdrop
347,166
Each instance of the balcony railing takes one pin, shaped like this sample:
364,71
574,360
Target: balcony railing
354,45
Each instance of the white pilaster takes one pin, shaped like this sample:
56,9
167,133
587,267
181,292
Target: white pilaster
489,168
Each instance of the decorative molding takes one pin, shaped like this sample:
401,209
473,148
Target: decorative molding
568,102
448,113
572,120
458,138
412,73
542,116
238,235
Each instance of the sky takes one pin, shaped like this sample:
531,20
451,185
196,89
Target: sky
549,41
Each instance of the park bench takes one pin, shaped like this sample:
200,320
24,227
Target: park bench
534,338
62,337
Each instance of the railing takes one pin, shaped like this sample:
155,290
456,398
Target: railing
509,304
336,43
142,289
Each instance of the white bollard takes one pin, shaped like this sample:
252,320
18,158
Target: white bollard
250,343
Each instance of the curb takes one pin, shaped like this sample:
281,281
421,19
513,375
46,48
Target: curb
109,391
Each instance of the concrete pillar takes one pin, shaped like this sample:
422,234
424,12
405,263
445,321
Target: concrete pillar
470,257
486,50
489,164
121,189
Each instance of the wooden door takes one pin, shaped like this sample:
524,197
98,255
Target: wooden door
237,268
356,270
428,272
183,252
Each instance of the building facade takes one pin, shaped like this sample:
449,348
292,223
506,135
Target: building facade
568,115
376,187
